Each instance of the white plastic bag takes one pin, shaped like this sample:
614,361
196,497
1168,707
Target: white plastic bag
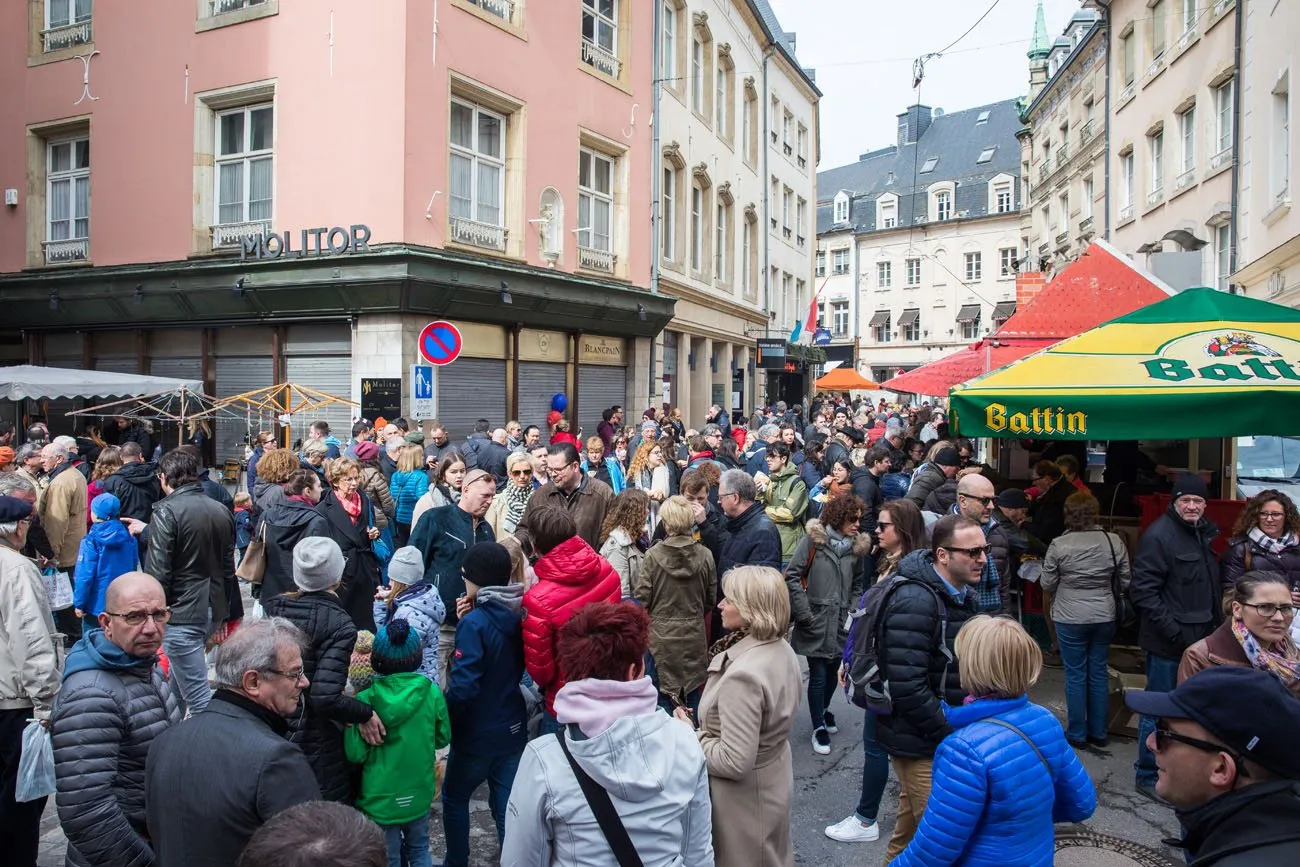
58,586
36,765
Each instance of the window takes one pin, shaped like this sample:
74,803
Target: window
1048,228
1127,59
697,228
888,214
668,214
749,257
881,329
1007,261
722,242
986,155
943,205
65,15
839,318
1156,150
1280,173
1126,187
776,118
787,195
1187,138
668,44
245,164
929,165
697,75
787,121
820,267
1222,256
723,102
970,327
801,217
1159,29
478,169
911,322
499,8
840,260
802,146
841,208
983,118
1085,206
1223,117
600,35
914,272
1189,16
1063,201
68,198
974,267
1005,200
595,200
884,274
750,133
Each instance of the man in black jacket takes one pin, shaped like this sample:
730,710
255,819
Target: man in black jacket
192,554
135,485
1047,514
1232,777
213,780
919,662
932,474
1175,589
749,537
866,485
114,702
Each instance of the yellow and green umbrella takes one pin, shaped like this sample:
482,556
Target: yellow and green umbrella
1201,364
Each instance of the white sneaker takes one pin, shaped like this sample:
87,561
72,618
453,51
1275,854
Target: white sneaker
851,830
821,742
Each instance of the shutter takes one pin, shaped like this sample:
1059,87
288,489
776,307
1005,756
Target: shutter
538,383
331,374
234,376
177,368
116,365
469,389
599,388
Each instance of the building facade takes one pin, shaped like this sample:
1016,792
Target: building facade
316,184
1173,135
919,242
1063,143
735,179
1268,228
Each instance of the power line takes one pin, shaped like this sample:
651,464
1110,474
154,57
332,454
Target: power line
972,27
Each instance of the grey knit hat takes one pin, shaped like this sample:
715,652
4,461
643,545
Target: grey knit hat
407,566
317,563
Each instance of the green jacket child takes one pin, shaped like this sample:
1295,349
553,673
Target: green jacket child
397,778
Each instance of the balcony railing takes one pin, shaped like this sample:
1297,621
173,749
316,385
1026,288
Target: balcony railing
1127,93
1186,39
220,6
594,55
773,133
478,234
801,240
233,234
62,252
1157,64
503,9
1280,197
66,36
1044,248
1186,179
596,260
1221,159
1085,226
1156,196
1043,171
773,221
1062,155
785,231
803,162
1220,7
1126,213
786,147
1063,238
1085,134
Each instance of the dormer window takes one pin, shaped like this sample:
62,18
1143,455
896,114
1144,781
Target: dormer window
841,208
930,163
986,155
983,118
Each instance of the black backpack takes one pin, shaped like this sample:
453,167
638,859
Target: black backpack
870,685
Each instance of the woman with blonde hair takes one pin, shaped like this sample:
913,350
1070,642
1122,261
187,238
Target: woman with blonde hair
678,587
508,505
406,486
622,536
748,707
649,472
1001,747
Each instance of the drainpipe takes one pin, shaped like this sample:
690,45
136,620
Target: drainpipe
1236,146
1105,11
656,170
767,234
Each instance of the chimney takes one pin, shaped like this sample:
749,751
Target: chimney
913,123
1028,285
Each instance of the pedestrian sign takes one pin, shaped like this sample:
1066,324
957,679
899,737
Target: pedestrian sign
439,343
423,392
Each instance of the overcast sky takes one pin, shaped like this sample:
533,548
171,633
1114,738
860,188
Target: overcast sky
862,52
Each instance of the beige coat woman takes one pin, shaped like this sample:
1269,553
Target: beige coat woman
746,712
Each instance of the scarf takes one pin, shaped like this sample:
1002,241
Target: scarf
1271,545
301,498
516,500
726,642
351,505
838,542
1284,663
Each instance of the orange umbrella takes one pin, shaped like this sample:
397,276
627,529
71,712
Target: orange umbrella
845,379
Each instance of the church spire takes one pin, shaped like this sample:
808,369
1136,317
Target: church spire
1039,48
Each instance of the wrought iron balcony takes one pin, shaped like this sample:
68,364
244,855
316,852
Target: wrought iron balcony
1156,196
1085,134
1127,93
596,260
1126,213
66,36
1063,238
233,234
594,55
466,231
1187,38
1085,226
1221,159
1186,179
62,252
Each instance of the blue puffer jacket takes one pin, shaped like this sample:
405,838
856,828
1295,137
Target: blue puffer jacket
106,552
421,606
406,488
986,805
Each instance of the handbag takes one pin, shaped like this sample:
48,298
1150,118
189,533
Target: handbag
58,588
603,808
1125,613
383,546
252,567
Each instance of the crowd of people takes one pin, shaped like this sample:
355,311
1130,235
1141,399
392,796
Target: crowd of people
607,632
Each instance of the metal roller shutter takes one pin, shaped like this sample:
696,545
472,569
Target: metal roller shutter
467,390
177,368
116,365
54,410
331,374
538,383
235,376
599,388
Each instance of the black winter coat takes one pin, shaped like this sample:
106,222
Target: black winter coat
914,664
1047,512
136,487
1175,585
1258,826
192,554
925,481
867,488
287,522
1243,549
749,539
317,728
361,572
942,498
102,727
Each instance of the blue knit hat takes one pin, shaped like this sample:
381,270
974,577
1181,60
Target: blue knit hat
397,648
106,507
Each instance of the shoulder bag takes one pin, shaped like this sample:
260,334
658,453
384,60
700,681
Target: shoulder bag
1033,746
1125,613
252,567
603,808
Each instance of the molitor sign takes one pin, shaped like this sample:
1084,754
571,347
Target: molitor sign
322,241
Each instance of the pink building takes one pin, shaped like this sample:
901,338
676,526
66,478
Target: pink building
245,191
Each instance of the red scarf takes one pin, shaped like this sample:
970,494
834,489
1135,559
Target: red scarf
301,498
351,505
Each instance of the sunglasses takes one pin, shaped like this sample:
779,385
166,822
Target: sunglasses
521,472
884,523
973,553
983,501
1164,736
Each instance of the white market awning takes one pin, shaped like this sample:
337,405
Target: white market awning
25,381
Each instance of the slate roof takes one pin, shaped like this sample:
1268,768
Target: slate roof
956,139
783,40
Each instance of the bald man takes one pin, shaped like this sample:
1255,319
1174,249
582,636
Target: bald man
115,700
975,497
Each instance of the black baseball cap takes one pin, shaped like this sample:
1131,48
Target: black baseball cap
1248,710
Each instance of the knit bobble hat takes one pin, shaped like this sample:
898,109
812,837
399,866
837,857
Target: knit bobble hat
360,674
397,648
487,564
317,563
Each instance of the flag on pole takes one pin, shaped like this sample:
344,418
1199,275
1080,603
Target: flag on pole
810,327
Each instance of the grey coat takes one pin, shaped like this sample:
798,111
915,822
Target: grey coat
103,724
835,582
625,556
1078,566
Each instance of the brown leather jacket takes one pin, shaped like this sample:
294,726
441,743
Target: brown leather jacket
1220,647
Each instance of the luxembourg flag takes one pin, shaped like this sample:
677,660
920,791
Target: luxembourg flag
809,328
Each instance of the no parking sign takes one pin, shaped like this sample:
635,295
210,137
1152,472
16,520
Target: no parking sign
440,343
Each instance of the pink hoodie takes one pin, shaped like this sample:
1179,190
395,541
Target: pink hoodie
595,705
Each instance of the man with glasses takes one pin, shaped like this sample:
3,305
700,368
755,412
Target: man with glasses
214,779
1175,589
975,501
1224,743
918,624
586,499
749,537
114,702
264,443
